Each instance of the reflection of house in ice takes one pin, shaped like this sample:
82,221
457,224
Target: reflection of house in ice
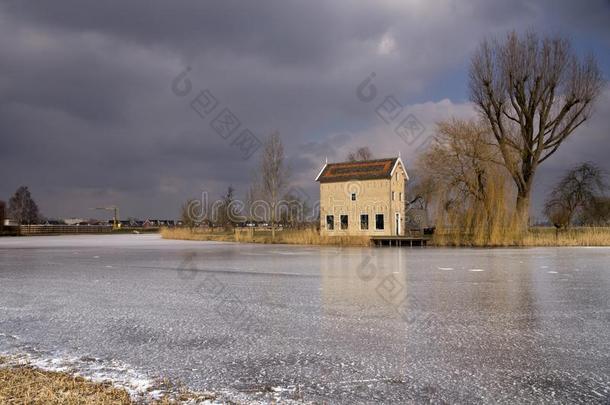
364,291
370,280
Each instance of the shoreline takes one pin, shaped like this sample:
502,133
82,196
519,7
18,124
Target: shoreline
26,380
536,237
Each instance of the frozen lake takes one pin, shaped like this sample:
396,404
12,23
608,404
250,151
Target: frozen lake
323,324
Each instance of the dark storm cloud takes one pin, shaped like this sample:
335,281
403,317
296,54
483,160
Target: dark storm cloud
87,114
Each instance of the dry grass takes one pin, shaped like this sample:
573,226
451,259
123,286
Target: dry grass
536,236
289,236
477,237
28,385
24,384
581,236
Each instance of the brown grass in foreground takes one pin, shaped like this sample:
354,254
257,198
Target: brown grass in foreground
28,385
24,384
289,236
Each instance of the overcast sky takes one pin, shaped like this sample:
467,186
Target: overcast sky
88,116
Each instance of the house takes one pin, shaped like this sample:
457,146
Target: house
363,198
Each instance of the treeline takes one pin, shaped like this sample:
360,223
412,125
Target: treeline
270,198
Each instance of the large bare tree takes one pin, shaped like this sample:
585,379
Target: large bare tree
273,175
533,92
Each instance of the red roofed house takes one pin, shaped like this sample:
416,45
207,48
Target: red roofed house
363,198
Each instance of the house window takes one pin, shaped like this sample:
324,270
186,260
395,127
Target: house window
399,196
379,221
392,196
330,222
364,221
344,222
353,196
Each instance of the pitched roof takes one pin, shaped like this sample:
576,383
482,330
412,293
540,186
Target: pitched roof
362,170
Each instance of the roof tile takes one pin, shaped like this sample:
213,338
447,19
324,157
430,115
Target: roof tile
363,170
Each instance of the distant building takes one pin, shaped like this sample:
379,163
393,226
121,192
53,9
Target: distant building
363,198
50,221
74,221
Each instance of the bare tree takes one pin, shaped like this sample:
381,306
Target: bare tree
596,212
360,154
461,171
273,175
576,189
22,207
251,198
460,160
533,93
421,191
186,215
293,210
226,212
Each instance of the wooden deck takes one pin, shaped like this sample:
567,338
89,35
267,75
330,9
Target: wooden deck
401,240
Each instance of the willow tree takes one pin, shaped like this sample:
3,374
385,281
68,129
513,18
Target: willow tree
468,182
533,92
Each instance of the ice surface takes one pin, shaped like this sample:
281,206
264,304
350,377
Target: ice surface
339,325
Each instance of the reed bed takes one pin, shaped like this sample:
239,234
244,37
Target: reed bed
501,235
287,236
535,236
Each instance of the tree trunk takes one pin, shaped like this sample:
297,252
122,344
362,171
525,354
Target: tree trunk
273,222
522,210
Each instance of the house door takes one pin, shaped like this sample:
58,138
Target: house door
398,230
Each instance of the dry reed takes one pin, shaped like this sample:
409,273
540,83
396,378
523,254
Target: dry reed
28,385
306,236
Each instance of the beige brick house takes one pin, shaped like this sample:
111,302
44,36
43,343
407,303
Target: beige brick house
363,198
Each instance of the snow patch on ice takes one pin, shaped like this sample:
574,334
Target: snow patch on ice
121,375
476,270
445,268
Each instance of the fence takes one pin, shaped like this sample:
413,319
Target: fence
61,229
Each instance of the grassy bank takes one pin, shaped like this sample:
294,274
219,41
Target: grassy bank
291,236
21,384
536,236
24,384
